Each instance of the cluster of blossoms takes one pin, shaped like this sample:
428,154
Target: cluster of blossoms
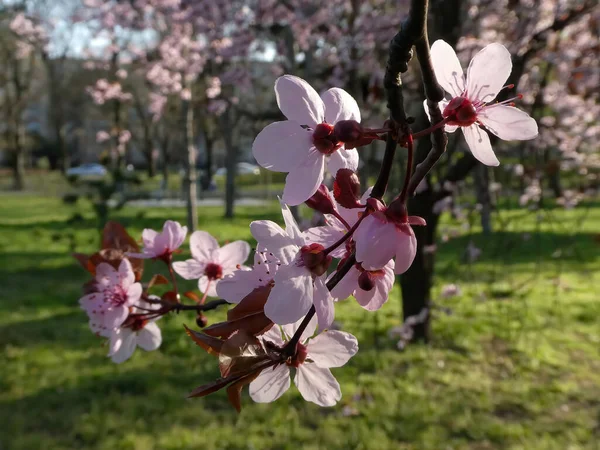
285,303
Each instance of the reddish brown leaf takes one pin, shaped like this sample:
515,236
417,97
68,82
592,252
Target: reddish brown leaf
170,296
192,296
239,353
157,280
209,343
251,304
114,235
84,260
234,391
209,388
253,324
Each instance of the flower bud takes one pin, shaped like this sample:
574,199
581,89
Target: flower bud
348,130
346,189
201,320
315,259
321,201
365,281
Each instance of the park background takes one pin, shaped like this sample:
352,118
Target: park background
143,111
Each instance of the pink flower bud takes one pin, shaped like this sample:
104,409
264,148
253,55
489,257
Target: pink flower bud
365,281
314,259
346,189
348,130
321,201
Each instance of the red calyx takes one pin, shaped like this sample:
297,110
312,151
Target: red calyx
353,134
299,357
321,201
325,140
213,271
315,259
460,111
346,189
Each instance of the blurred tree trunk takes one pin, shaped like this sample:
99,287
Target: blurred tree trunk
18,163
231,156
191,188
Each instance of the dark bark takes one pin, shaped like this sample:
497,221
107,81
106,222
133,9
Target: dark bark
230,164
190,182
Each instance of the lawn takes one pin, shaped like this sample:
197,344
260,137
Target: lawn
514,362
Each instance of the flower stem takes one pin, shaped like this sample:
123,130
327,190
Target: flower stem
345,237
409,165
339,217
429,130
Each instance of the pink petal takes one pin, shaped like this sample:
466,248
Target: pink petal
447,68
148,237
339,105
202,245
290,329
114,317
406,249
488,71
326,236
190,269
317,385
375,298
127,347
323,303
332,348
272,237
271,384
342,159
282,146
176,234
208,287
92,302
134,292
303,181
347,285
233,254
298,101
479,144
149,338
508,123
291,297
291,227
236,286
106,276
375,242
126,275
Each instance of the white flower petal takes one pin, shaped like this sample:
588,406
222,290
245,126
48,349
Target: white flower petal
232,254
282,146
332,348
508,123
292,296
347,285
339,105
304,180
488,71
406,249
298,101
208,287
272,238
202,245
342,159
447,68
271,384
479,144
375,242
326,236
190,269
323,303
317,385
290,329
291,227
150,337
375,298
236,286
127,346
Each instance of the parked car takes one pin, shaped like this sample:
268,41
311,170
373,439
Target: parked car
243,168
87,170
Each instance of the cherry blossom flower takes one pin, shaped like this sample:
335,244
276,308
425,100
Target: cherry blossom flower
237,285
163,244
210,262
470,104
108,307
140,332
298,282
315,356
303,144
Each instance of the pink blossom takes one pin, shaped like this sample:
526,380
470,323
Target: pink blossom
297,287
141,332
303,144
210,263
380,238
470,105
450,290
102,136
315,356
108,308
163,244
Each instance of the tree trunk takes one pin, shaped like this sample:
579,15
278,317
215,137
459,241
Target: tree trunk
230,164
19,170
191,178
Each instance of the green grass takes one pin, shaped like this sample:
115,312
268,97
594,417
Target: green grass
515,366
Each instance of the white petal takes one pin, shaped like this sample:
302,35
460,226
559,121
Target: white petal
274,335
236,286
332,348
310,329
106,276
282,146
488,71
233,254
291,297
208,287
375,298
190,269
317,385
323,303
149,337
508,123
127,346
126,275
202,245
298,101
291,227
339,105
375,243
304,180
342,159
271,384
347,285
479,144
272,237
134,292
326,236
447,68
406,249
